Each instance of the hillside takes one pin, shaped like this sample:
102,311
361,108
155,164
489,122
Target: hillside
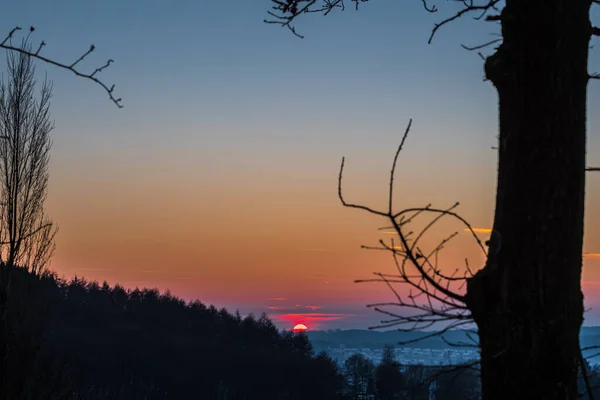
75,339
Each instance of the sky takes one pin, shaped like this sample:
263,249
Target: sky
218,178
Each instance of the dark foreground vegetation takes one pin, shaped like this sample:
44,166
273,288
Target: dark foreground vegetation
81,340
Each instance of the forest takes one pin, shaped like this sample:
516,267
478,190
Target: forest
77,339
73,339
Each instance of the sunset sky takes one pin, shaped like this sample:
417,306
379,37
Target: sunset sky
218,178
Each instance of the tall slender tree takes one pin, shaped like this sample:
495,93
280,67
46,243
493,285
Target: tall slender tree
359,374
26,233
527,300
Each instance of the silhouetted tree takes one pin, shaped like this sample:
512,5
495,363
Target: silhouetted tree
102,342
457,384
26,233
27,368
527,299
358,372
592,376
330,383
416,382
388,378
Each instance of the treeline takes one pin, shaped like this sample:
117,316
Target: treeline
78,340
81,340
389,380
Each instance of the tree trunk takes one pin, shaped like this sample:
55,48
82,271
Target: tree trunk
527,300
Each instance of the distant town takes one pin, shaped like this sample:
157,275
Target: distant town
457,346
409,356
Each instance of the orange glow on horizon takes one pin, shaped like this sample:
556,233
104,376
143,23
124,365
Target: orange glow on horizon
275,266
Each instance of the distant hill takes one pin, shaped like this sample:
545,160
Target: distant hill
321,340
377,339
590,336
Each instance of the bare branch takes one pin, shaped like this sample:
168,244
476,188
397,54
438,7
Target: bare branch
431,9
285,12
391,192
431,297
7,44
481,46
472,365
469,8
458,344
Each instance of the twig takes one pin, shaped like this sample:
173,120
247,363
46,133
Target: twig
7,44
285,12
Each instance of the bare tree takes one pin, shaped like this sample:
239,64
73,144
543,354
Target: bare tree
527,300
26,233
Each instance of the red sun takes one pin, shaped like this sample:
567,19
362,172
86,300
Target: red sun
300,328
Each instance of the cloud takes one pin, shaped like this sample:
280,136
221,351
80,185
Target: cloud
314,308
590,282
591,255
279,308
277,299
294,307
94,269
479,230
296,318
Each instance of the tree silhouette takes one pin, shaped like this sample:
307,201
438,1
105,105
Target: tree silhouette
85,340
527,299
358,372
457,384
417,382
330,381
26,233
388,378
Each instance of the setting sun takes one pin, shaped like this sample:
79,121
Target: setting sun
300,328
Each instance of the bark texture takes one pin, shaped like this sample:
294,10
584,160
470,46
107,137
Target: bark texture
527,300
